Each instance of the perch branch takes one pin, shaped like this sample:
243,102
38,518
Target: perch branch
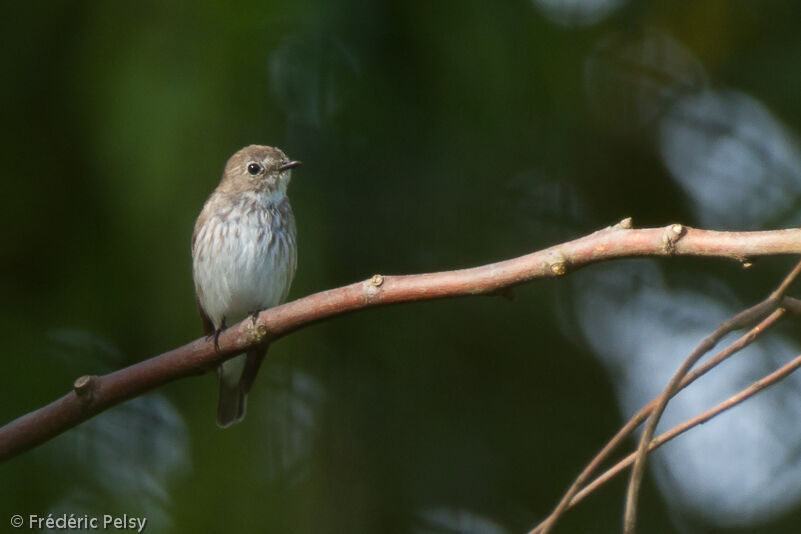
91,395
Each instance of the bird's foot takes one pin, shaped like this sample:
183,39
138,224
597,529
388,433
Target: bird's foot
216,335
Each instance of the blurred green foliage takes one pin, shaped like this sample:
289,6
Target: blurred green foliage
434,135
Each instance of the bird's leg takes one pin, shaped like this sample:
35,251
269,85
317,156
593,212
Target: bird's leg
217,339
216,335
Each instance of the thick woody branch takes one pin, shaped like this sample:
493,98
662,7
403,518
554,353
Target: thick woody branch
93,394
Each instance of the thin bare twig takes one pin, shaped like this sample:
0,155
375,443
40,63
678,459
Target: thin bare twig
569,499
737,322
764,382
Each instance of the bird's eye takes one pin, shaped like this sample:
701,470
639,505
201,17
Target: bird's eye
254,169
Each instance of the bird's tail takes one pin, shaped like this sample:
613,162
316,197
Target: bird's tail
235,377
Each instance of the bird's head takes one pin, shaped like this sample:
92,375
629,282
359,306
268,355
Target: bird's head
259,168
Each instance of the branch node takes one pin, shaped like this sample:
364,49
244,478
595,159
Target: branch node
671,236
84,387
256,333
625,224
261,330
558,265
371,288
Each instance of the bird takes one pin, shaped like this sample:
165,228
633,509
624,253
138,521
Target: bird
244,257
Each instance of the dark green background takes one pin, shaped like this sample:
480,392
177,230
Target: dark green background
434,135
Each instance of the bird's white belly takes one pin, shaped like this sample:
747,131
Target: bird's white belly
245,270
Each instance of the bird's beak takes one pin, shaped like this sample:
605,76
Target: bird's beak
288,165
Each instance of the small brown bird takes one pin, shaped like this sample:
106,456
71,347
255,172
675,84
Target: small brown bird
244,257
